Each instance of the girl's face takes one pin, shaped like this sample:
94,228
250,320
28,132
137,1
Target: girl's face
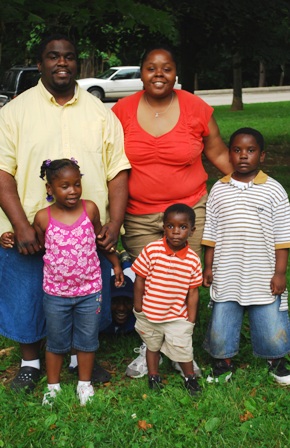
158,73
66,187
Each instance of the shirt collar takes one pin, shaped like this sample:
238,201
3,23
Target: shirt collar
180,254
261,178
51,98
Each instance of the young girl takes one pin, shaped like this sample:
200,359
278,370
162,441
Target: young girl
72,277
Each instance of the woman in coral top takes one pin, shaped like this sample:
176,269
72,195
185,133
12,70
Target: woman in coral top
166,131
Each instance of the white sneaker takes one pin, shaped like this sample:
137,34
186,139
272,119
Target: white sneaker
85,393
138,367
49,396
196,368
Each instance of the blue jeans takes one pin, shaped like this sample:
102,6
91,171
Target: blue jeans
269,327
72,322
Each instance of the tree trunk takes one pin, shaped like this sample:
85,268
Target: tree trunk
262,74
282,75
237,103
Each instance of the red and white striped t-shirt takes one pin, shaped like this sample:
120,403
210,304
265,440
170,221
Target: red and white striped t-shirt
168,277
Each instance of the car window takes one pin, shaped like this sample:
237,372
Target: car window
128,73
9,80
28,79
107,73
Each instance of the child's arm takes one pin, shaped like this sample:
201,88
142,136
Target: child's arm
39,224
192,304
139,288
278,281
118,271
7,240
208,260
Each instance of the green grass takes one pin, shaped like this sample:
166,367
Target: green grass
249,412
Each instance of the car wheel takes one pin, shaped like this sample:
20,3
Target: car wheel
96,91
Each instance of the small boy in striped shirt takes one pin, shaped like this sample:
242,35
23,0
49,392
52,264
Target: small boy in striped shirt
247,239
168,274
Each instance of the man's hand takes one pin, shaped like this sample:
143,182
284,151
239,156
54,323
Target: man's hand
26,240
108,237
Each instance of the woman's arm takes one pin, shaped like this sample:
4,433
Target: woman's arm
215,149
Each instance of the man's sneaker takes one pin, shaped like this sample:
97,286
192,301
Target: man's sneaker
155,382
85,393
138,367
191,384
221,368
49,396
196,369
26,378
279,370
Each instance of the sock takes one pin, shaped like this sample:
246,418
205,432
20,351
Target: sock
34,363
84,383
73,361
54,386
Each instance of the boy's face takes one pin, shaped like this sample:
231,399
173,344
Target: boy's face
177,230
245,155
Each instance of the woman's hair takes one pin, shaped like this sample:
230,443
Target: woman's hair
178,209
249,131
164,47
51,168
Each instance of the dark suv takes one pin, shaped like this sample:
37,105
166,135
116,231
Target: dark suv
16,80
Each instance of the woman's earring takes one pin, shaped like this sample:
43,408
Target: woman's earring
49,197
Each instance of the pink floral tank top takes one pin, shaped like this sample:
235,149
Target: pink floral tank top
71,263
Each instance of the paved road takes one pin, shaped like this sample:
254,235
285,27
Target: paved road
250,95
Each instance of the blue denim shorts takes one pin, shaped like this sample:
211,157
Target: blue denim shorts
72,322
269,327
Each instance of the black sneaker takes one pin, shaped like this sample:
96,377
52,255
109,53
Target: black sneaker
278,369
221,368
191,384
26,378
155,382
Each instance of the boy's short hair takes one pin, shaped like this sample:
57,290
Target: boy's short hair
250,131
178,209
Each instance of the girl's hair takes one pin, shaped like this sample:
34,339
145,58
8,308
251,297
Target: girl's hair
249,131
178,209
164,47
51,168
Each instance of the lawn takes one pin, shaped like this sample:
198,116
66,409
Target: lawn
251,411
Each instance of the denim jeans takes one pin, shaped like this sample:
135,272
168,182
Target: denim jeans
72,322
269,327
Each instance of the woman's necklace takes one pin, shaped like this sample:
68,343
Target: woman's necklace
159,113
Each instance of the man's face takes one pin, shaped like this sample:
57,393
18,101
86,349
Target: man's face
121,308
59,67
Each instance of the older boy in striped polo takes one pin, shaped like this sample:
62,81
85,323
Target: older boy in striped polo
247,239
168,274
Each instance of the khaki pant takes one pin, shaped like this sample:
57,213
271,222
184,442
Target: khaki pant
141,230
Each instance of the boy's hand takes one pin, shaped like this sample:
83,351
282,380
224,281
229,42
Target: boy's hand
278,284
207,277
7,240
119,276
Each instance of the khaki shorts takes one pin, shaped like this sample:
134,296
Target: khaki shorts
173,338
141,230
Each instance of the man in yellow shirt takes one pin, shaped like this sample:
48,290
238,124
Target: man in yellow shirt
55,119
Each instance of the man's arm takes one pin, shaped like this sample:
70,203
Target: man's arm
118,197
25,237
215,150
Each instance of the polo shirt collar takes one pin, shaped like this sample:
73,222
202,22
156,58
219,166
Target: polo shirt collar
261,178
182,253
51,98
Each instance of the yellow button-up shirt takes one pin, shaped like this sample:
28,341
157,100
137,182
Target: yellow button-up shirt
34,127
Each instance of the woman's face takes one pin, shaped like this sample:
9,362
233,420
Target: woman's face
158,73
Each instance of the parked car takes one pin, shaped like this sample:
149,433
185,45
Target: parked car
116,82
16,80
